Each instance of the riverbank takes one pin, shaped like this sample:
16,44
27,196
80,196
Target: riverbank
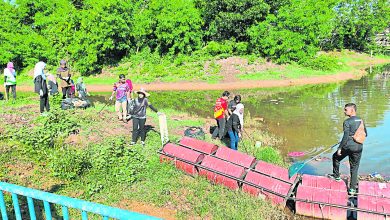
84,154
237,73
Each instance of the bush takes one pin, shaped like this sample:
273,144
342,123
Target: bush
47,130
68,164
321,62
113,161
214,48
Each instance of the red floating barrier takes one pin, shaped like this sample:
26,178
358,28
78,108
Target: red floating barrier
235,157
223,167
373,196
202,146
182,153
268,183
321,195
274,170
323,182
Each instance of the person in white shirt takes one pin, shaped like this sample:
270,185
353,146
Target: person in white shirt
10,80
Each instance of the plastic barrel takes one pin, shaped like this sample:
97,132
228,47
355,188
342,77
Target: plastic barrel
373,196
266,182
323,182
274,170
223,167
235,157
202,146
321,195
182,153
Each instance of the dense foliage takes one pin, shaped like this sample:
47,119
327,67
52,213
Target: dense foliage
91,34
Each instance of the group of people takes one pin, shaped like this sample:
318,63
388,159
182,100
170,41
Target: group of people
46,84
230,119
134,109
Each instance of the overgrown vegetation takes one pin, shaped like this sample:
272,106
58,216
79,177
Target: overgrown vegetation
91,35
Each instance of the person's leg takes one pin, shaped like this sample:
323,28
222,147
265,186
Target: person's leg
221,128
135,130
63,92
47,104
124,109
354,162
215,132
117,110
41,103
142,129
237,140
7,91
232,139
13,88
68,92
336,162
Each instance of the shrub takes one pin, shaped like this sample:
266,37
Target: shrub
321,62
68,164
46,130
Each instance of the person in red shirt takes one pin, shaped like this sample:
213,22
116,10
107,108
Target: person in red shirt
221,114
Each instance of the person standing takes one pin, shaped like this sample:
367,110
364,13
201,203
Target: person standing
41,86
351,145
10,80
233,103
141,103
234,126
122,91
63,73
220,114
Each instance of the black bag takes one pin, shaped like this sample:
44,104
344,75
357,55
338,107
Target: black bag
130,106
195,132
1,96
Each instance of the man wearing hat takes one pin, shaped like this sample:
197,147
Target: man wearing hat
139,115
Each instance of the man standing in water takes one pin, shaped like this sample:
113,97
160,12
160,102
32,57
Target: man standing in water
351,145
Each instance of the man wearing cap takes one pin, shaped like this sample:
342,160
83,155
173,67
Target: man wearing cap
63,73
139,116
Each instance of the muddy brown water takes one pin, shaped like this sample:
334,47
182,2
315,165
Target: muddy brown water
309,118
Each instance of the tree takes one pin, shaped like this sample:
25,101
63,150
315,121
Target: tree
296,32
168,26
357,22
226,19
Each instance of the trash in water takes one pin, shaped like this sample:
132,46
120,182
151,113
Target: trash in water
296,154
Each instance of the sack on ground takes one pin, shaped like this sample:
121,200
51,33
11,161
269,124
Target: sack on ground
70,103
360,134
1,96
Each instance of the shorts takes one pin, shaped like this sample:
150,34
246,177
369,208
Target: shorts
123,99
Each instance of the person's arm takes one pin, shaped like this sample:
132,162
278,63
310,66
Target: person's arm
113,92
344,140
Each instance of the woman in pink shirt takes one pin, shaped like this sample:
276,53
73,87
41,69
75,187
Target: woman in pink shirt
122,91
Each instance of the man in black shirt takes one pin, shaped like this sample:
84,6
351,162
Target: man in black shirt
349,147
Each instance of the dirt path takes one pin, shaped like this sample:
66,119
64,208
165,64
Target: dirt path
234,84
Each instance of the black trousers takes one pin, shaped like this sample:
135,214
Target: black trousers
354,161
44,103
65,92
139,129
13,90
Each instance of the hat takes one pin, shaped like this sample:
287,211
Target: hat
142,90
62,62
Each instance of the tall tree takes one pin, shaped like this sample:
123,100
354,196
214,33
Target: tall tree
226,19
295,32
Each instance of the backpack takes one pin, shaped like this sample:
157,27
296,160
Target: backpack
360,134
